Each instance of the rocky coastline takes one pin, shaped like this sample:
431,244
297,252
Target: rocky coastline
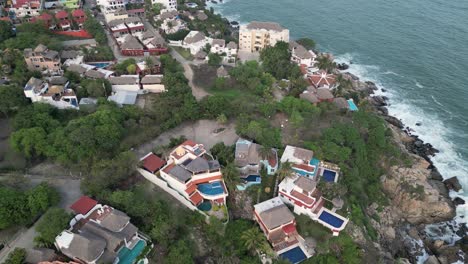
419,198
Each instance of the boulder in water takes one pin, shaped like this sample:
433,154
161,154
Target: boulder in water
458,201
453,184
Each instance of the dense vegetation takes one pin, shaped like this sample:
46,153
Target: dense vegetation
52,223
18,207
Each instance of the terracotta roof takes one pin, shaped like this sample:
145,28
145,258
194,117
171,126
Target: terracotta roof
189,143
322,78
304,167
61,14
191,189
153,163
290,228
83,205
78,13
45,17
304,198
196,198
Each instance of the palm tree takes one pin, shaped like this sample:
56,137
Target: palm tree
344,85
253,238
325,63
265,152
231,176
285,171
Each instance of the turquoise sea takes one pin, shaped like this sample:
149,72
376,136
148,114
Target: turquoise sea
417,50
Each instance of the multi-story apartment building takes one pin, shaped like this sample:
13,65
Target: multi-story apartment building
256,36
43,59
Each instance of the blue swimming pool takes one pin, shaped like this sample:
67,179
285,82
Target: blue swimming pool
253,178
329,175
331,219
352,105
205,206
214,188
128,256
294,255
100,65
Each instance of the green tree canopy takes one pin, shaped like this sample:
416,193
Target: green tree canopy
54,221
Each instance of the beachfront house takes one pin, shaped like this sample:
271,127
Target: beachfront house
23,8
301,55
192,172
250,157
302,161
279,226
100,234
255,36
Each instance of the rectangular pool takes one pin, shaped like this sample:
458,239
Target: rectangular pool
331,219
128,256
329,175
214,188
294,255
352,105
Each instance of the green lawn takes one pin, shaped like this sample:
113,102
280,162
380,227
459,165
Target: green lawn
184,53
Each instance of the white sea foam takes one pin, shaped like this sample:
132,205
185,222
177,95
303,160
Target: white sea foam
432,130
419,85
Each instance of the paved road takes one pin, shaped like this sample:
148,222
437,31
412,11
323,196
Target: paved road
69,190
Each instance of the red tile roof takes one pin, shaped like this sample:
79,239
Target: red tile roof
45,17
5,19
272,160
78,13
289,228
208,179
153,163
189,143
138,10
169,168
322,78
190,189
83,205
196,198
20,3
61,14
302,197
304,167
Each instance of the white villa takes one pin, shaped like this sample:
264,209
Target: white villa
56,94
195,41
301,55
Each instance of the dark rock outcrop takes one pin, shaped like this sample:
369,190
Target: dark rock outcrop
453,184
458,201
394,121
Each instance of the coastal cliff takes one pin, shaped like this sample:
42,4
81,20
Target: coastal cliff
417,195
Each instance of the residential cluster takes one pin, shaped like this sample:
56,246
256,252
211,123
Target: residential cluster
191,175
100,234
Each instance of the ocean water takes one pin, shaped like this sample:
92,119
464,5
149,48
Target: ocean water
417,50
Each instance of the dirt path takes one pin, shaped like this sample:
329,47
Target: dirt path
200,131
198,92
